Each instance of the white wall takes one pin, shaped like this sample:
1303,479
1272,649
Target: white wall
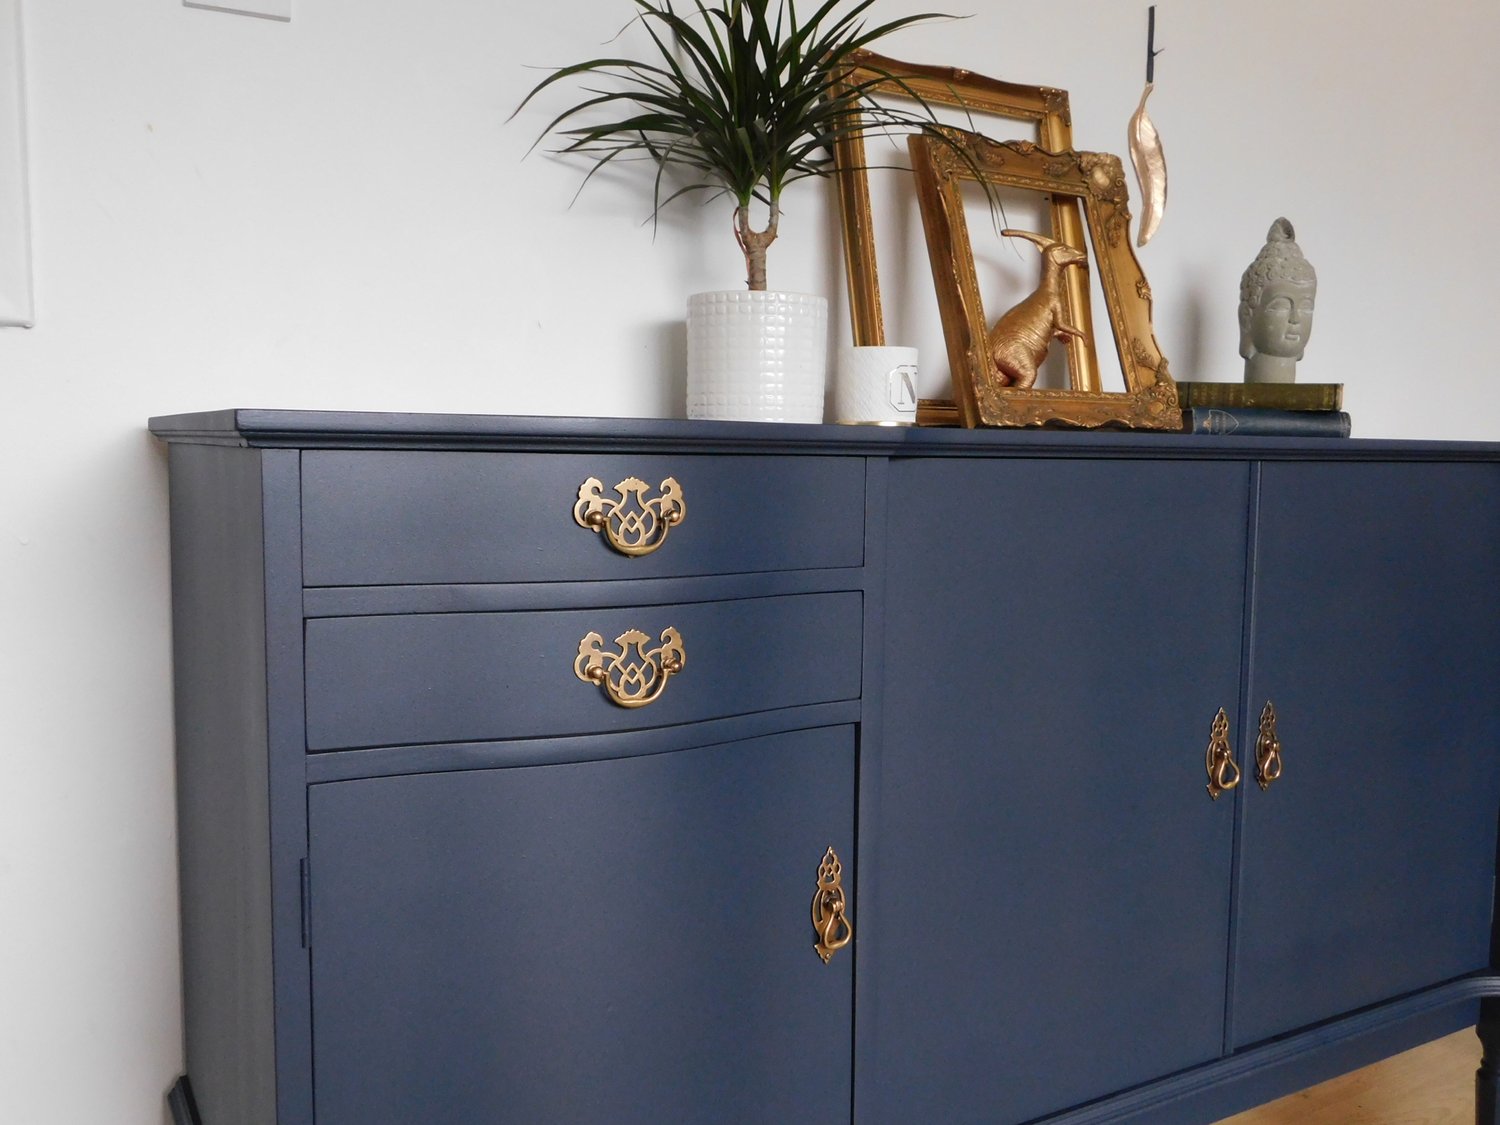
333,213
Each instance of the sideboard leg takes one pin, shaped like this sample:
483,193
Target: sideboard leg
1487,1080
180,1102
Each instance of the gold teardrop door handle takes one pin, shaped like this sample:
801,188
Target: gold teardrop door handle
830,909
630,523
633,675
1223,774
1267,749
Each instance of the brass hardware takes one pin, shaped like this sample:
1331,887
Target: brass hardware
631,682
633,525
1223,774
1267,749
829,909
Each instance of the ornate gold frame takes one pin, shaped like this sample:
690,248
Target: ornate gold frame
1098,180
1046,106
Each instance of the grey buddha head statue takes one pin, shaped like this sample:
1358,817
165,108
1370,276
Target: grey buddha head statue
1277,294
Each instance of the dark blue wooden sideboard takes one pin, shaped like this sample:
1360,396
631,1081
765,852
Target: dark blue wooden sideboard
433,873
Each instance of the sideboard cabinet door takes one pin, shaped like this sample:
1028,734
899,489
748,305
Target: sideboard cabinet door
1046,911
622,941
1367,868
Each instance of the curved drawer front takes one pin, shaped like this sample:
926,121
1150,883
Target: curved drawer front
398,517
417,678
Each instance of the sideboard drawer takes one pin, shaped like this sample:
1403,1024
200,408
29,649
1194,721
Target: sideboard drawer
417,678
399,517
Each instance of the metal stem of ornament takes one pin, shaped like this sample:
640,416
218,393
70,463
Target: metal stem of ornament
1146,155
1151,51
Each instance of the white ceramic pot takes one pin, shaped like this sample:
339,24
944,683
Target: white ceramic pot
756,356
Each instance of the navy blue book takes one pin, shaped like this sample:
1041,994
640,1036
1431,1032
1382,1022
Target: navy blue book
1264,422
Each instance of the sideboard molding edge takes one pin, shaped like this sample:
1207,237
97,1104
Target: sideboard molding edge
1157,1097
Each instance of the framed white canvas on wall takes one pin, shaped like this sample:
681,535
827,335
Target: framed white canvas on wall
15,233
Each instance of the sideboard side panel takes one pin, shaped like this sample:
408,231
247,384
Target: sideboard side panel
218,623
286,741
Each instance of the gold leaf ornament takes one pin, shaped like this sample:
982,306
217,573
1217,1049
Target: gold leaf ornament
1150,168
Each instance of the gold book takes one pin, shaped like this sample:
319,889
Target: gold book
1272,396
938,412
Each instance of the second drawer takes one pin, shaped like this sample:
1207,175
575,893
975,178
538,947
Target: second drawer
414,678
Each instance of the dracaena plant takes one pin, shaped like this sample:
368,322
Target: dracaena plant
743,96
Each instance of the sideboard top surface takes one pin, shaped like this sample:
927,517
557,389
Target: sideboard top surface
309,429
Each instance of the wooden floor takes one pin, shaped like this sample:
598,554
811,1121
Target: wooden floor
1432,1085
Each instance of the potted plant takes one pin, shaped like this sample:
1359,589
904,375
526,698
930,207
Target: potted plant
745,98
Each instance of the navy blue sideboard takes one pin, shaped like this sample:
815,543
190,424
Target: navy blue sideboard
1160,775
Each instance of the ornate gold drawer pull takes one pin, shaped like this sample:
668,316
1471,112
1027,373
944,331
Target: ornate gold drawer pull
1267,748
830,912
632,524
631,681
1223,774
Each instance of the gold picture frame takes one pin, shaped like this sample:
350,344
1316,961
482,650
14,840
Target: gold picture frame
1097,180
974,93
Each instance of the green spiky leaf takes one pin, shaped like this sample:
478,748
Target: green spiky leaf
739,94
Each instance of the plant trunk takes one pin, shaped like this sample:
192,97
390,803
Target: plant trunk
754,242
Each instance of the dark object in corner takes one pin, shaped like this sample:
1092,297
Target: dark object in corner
180,1102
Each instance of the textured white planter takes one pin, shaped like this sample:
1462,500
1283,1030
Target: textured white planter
756,356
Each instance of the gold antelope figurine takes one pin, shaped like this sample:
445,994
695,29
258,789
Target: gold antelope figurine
1020,339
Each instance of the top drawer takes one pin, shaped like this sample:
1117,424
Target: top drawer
398,517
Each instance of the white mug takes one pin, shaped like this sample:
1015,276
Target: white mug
876,386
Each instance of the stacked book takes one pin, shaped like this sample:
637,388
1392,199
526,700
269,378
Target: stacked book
1263,409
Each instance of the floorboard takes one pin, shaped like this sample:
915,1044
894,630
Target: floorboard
1432,1085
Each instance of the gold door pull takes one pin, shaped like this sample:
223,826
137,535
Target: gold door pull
1223,774
1267,749
830,911
632,524
634,675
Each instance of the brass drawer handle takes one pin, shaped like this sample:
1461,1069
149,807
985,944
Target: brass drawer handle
632,524
1267,749
1223,774
631,681
830,911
